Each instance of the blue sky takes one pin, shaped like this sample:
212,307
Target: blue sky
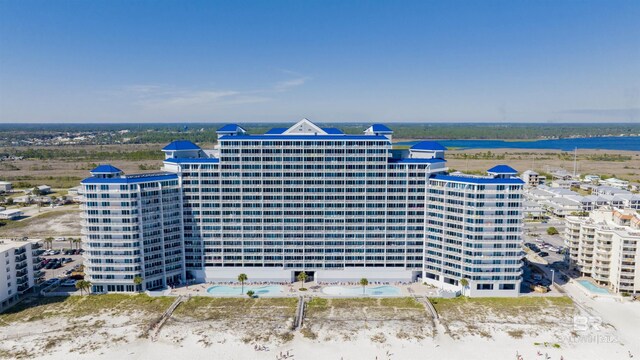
329,61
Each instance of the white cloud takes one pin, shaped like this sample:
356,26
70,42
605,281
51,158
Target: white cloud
152,97
289,84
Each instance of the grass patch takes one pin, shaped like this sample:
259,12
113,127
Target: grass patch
516,334
401,303
13,225
77,306
356,303
500,304
306,332
211,308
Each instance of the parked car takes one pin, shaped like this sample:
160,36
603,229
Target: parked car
543,253
69,283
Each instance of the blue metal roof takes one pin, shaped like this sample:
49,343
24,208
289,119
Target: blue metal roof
476,180
181,145
380,128
194,160
276,131
230,128
129,180
106,169
416,161
303,137
428,145
333,131
502,169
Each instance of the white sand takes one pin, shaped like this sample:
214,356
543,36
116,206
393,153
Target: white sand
119,338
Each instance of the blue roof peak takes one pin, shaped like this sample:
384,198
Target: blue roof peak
276,131
379,128
333,131
179,145
106,169
428,145
502,169
231,128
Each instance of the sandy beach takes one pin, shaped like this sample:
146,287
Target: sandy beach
590,328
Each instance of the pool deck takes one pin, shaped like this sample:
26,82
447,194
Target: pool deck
592,294
313,289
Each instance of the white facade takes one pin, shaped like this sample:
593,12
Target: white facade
17,273
605,246
5,186
10,214
132,228
531,178
339,207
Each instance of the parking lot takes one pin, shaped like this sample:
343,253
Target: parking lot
58,264
547,254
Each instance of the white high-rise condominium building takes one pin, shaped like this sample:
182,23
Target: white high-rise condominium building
306,198
18,270
132,228
606,247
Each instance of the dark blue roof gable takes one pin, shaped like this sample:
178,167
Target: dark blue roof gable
130,180
428,145
230,128
475,180
106,169
181,145
304,137
380,128
193,161
332,131
276,131
416,161
502,169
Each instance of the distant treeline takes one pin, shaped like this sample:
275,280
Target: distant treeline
72,154
206,132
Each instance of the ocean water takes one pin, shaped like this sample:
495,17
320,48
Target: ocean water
602,143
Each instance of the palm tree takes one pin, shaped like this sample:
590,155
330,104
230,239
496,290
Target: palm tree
83,285
302,277
137,280
49,242
71,243
250,294
464,282
242,278
77,241
364,282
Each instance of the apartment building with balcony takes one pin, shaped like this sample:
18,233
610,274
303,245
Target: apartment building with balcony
335,205
605,247
19,270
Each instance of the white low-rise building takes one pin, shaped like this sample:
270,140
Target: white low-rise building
616,183
605,247
5,186
11,214
564,184
563,202
591,178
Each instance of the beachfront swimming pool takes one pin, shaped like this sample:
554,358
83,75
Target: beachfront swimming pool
385,290
267,290
593,288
